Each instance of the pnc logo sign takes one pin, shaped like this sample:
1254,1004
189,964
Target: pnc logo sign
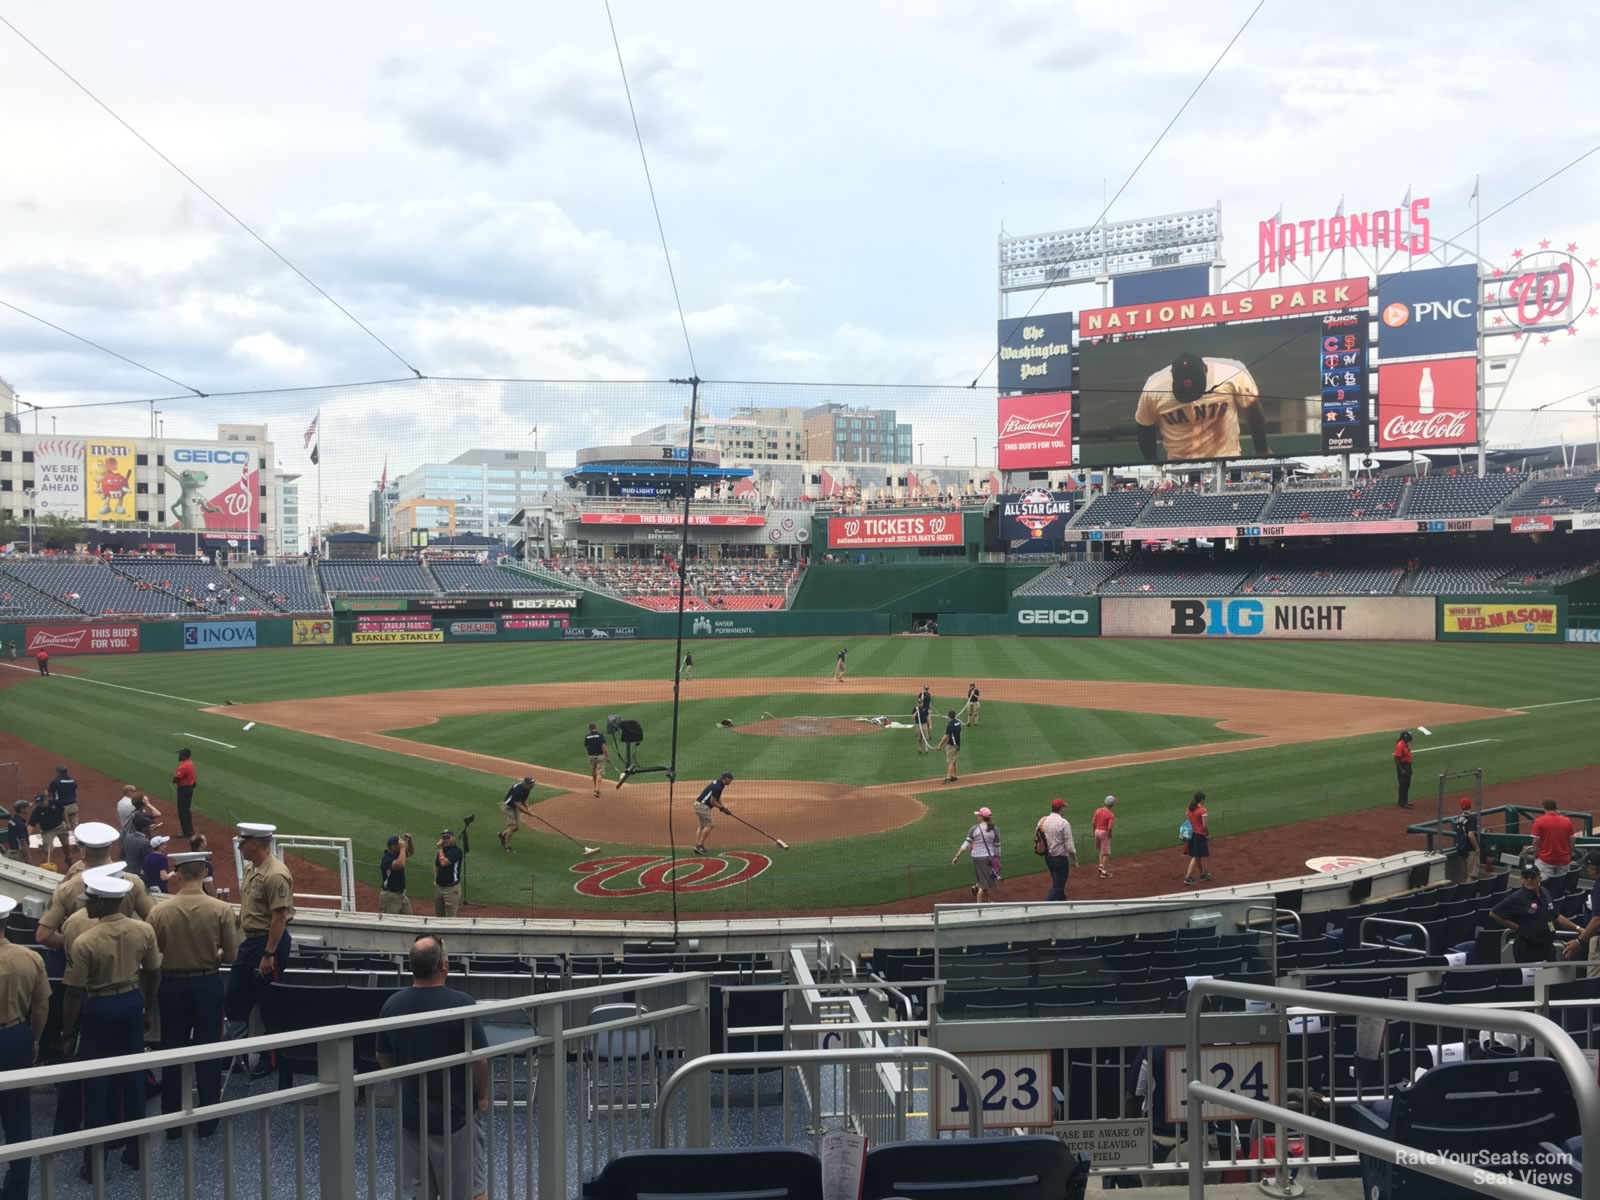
1428,312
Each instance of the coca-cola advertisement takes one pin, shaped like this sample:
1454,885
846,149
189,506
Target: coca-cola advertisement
1035,431
1422,405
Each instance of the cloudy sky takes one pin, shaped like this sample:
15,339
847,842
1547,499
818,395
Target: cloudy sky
832,178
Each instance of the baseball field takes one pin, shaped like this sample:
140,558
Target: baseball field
1291,741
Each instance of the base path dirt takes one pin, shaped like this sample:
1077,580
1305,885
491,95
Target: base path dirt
805,810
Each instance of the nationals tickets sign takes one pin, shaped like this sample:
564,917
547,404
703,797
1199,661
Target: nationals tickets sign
880,532
1035,431
1295,300
1423,404
740,519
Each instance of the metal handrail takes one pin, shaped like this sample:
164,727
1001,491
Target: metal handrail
1277,914
805,1058
1561,1047
1361,934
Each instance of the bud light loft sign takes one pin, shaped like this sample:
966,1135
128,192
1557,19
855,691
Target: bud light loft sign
219,635
1428,312
1428,404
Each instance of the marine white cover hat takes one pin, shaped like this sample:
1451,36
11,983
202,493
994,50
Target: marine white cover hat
253,829
97,835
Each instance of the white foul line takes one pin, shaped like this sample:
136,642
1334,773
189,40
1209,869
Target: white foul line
1454,745
118,686
213,741
1559,703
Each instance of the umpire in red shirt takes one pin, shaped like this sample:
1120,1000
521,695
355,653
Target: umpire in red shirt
183,780
1402,766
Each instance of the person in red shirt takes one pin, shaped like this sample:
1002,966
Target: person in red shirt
183,780
43,659
1552,848
1104,819
1402,766
1198,847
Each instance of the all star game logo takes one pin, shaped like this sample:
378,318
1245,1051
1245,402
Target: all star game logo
1036,511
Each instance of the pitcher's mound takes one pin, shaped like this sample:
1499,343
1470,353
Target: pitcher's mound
809,727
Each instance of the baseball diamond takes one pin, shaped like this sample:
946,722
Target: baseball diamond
1290,739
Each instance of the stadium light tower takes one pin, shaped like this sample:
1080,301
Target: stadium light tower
1594,404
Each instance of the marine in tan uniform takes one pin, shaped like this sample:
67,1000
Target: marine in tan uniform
98,842
196,934
110,982
24,1009
1196,404
266,906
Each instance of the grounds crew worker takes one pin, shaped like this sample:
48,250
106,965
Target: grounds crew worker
111,984
594,745
392,896
24,1009
64,788
512,808
447,875
266,906
196,934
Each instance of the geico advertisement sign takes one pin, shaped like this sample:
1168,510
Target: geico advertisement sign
1072,619
1052,616
1398,618
391,637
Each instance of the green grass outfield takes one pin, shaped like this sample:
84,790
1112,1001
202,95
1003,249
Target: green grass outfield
315,785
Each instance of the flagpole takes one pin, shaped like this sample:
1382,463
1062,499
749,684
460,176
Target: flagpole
1477,268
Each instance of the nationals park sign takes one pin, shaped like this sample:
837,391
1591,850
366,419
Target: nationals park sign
850,533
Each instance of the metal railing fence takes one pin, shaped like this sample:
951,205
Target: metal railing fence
1557,1044
546,1055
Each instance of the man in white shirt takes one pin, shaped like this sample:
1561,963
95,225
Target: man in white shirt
132,802
1060,852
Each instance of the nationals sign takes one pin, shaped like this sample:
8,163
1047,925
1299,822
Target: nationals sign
1295,300
862,532
643,874
1422,404
755,519
1035,431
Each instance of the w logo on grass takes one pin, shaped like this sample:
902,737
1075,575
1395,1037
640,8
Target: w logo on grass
642,874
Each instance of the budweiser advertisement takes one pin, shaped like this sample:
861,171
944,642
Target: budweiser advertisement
851,533
673,518
81,639
1035,431
1422,404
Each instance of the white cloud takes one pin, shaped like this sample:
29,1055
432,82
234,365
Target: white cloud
269,350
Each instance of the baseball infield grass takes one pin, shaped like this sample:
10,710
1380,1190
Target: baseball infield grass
1014,735
319,785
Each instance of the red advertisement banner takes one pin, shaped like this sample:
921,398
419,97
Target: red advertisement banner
739,519
551,622
1035,431
387,622
81,639
1293,300
1422,404
863,532
1533,524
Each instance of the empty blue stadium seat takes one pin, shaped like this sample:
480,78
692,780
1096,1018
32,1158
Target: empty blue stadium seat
1461,1110
998,1168
382,577
1374,500
290,586
456,576
1196,508
1557,495
1112,510
761,1173
1460,495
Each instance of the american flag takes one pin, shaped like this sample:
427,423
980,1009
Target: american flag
311,431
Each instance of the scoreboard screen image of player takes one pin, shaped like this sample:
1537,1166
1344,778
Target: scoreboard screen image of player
1262,389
